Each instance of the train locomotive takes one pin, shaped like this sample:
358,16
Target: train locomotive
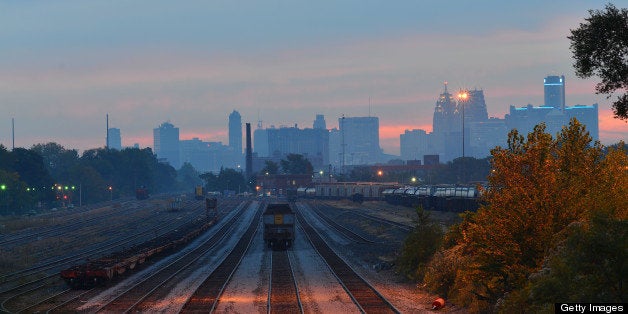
279,222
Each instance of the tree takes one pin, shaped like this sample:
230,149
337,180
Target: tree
419,246
296,164
188,177
600,47
57,159
270,167
539,186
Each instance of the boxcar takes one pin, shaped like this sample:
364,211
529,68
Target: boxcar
278,226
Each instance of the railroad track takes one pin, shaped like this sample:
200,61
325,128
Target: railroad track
117,239
42,288
283,293
363,295
346,232
206,297
383,221
134,296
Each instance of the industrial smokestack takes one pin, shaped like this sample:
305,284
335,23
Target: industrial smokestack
249,152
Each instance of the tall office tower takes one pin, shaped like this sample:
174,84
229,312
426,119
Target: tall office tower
166,144
447,127
115,139
313,144
554,87
319,123
235,133
474,106
446,117
260,142
413,144
359,140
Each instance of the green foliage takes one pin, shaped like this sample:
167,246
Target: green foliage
296,164
227,179
419,246
600,47
587,265
14,196
361,173
188,177
47,164
540,187
270,167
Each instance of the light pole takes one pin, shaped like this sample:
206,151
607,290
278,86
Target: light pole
110,193
463,96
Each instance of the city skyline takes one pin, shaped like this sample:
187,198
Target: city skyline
70,63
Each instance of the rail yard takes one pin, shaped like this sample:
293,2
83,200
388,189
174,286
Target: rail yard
340,259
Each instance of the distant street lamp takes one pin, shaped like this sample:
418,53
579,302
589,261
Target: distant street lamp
110,193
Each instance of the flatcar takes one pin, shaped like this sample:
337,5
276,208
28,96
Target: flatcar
278,226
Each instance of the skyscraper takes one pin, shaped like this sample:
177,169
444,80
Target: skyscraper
447,127
554,87
319,123
446,117
166,144
115,139
235,133
359,141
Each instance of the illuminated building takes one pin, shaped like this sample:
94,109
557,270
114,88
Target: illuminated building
554,91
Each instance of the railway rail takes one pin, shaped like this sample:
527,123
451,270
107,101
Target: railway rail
348,233
283,293
49,291
365,296
133,297
206,297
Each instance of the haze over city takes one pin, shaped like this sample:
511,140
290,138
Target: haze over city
66,64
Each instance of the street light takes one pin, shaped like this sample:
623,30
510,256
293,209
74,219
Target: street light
110,193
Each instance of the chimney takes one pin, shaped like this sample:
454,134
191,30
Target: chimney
249,152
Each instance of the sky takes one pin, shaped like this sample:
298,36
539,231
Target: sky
66,64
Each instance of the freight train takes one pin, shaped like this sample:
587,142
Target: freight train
455,198
279,226
100,271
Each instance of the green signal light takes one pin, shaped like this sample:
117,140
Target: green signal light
3,187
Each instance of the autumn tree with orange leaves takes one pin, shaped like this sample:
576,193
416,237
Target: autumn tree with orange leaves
540,188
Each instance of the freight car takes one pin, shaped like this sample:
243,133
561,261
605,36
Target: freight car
100,271
453,198
199,193
278,226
